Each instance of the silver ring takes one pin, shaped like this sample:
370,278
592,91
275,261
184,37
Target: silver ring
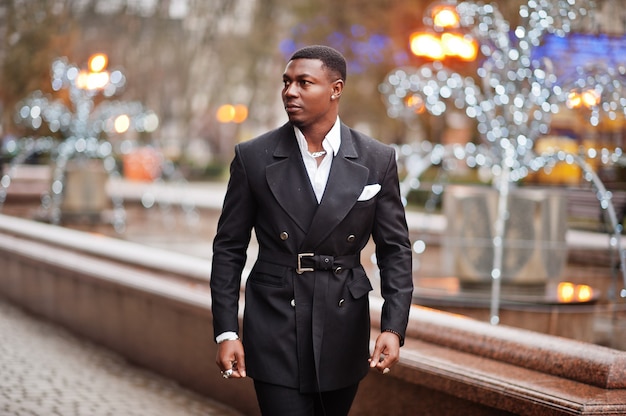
227,373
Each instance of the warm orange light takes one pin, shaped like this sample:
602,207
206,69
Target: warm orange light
416,103
98,62
562,173
588,98
142,164
565,291
573,100
460,46
569,292
95,78
426,44
449,44
229,113
584,293
445,17
241,113
81,80
225,113
92,80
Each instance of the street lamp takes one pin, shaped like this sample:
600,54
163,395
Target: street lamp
445,39
442,15
96,77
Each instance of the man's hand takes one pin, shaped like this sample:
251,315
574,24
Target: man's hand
230,356
386,352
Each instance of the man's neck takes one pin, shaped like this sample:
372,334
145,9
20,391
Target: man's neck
316,133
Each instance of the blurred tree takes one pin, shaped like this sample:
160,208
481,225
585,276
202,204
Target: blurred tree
181,58
373,35
32,34
185,58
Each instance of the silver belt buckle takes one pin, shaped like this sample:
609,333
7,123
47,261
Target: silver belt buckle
300,269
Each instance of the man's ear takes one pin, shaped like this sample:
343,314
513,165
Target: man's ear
337,89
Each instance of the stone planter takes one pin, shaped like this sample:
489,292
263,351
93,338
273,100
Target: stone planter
85,189
534,240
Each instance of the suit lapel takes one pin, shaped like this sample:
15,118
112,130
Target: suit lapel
345,183
289,182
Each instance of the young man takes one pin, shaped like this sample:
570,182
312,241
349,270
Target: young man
314,191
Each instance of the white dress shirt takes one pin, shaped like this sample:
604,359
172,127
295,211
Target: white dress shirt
318,174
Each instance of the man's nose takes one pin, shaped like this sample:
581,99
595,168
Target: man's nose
290,90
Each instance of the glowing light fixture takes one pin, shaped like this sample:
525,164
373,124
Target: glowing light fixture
96,78
568,292
445,41
98,62
459,46
427,45
445,16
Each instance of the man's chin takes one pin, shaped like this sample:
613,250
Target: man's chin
296,121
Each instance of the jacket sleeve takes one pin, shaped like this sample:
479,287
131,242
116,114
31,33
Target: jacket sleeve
229,247
393,253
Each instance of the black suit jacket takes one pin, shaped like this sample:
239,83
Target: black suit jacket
310,330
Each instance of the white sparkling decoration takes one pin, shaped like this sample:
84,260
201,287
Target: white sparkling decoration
512,97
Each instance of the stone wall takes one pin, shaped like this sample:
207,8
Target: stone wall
153,307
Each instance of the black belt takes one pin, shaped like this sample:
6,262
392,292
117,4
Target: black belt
308,262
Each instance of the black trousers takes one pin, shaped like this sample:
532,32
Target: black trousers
284,401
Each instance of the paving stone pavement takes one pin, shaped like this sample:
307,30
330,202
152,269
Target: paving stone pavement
47,371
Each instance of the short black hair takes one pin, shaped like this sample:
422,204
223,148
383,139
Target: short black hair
330,57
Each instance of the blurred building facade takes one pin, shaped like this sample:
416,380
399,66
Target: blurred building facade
184,59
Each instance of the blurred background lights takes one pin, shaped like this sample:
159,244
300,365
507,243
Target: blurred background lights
122,123
570,292
426,44
229,113
98,62
511,97
84,124
445,17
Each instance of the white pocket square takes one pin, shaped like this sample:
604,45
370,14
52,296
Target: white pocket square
368,192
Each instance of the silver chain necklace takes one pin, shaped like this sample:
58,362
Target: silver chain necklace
318,154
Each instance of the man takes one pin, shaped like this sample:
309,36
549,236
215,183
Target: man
314,191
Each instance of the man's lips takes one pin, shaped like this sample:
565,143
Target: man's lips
292,107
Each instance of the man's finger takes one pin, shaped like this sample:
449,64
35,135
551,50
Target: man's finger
240,366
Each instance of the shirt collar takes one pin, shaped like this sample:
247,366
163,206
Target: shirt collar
332,139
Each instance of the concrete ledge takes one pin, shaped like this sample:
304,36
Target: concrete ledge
153,307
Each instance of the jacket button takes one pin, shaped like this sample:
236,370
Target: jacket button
341,302
351,238
284,235
293,303
338,270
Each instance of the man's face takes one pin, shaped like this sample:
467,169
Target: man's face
307,92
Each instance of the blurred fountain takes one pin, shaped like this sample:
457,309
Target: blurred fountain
83,162
512,97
